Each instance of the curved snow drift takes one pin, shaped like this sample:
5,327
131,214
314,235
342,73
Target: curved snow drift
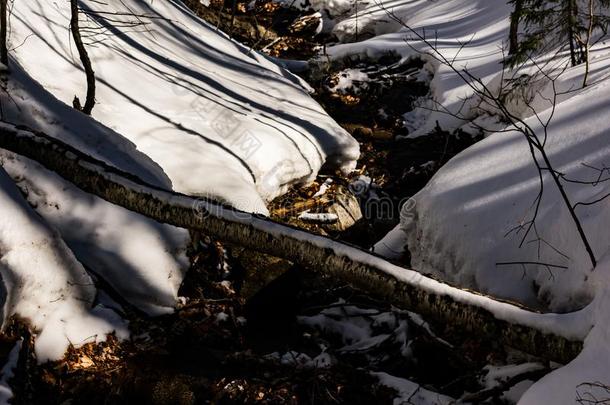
196,102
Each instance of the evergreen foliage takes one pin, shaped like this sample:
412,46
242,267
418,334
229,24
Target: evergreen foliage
538,26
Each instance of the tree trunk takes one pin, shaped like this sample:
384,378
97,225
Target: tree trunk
84,58
576,56
3,32
515,18
587,44
545,335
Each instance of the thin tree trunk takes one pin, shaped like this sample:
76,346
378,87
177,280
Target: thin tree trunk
84,57
3,32
571,21
588,44
515,18
545,335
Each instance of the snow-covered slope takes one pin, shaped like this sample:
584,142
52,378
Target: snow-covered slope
197,103
450,24
462,221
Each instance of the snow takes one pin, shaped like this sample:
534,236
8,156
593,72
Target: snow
467,210
331,11
323,188
483,24
592,365
500,374
302,360
200,115
198,105
350,80
175,113
496,375
43,281
6,392
109,240
322,217
410,392
355,326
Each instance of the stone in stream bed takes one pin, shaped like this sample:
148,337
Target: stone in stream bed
347,210
260,270
308,25
379,134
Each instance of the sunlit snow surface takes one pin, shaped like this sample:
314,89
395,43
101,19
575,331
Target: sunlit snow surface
194,101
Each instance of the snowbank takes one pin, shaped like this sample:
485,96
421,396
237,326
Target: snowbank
410,392
197,103
141,259
41,255
43,281
461,224
483,24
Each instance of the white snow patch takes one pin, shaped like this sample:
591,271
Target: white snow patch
410,392
43,281
222,121
320,217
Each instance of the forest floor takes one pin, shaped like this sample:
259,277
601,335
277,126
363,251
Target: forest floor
254,329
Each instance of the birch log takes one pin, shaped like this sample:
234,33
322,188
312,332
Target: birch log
556,337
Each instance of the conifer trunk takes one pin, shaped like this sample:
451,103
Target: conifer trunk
515,18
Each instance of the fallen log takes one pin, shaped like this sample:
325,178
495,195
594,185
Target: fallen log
556,337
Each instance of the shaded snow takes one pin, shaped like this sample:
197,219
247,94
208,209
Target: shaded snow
141,259
410,392
43,281
6,392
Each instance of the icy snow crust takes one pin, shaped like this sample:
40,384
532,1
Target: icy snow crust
181,107
459,224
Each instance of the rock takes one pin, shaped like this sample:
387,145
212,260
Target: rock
260,270
382,135
362,131
309,25
347,210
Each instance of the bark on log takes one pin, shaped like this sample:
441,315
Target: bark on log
556,337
